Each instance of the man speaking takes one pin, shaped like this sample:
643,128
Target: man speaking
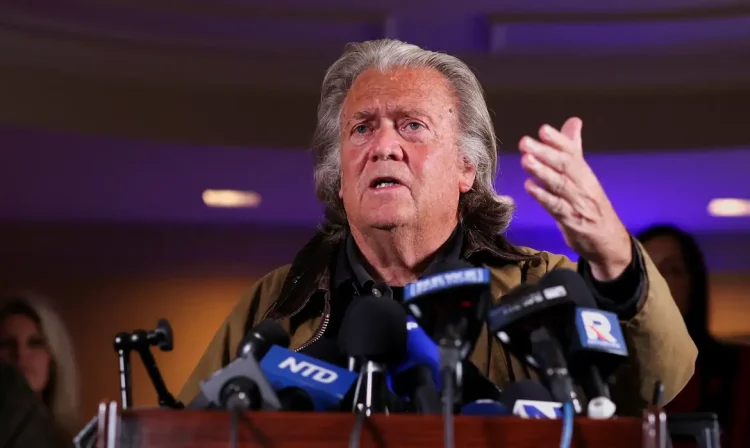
405,164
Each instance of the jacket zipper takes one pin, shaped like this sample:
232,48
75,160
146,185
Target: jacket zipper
321,328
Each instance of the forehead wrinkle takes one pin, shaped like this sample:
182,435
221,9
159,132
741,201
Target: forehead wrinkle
424,88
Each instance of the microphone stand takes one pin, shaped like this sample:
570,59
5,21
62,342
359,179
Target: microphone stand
368,396
450,369
370,384
123,347
139,340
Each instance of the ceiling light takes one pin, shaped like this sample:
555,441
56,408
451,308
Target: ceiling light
231,198
728,207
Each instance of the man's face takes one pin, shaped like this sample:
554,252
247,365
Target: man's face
400,161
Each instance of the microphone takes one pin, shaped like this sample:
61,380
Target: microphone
525,398
597,348
241,385
485,407
422,351
373,333
295,399
529,399
451,306
562,303
261,337
304,382
417,384
528,321
418,377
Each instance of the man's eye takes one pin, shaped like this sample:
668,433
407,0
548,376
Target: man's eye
414,126
360,129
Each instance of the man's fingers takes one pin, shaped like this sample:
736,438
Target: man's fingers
559,160
553,181
555,205
572,129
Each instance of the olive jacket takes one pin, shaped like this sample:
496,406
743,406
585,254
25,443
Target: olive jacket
658,342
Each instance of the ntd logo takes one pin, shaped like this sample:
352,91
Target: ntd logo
600,329
309,370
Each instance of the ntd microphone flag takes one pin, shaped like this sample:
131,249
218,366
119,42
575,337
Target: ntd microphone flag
327,384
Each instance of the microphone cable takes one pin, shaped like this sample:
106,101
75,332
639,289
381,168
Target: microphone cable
568,419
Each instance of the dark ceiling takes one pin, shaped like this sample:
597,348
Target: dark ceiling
647,75
642,119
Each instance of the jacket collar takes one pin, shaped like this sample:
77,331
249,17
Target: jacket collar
350,266
310,271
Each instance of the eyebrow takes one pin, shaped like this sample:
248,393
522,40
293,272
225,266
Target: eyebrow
368,114
363,115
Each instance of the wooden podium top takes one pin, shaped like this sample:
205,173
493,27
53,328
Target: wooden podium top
206,429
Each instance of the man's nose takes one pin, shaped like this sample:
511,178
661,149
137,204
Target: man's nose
387,145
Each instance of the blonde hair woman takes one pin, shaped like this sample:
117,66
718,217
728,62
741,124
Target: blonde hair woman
33,336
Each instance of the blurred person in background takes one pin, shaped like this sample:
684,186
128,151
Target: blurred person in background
34,338
716,385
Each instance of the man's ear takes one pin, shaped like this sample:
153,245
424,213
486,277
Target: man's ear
468,175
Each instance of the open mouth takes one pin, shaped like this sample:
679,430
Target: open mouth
384,182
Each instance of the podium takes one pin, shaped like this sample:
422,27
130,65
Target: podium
164,428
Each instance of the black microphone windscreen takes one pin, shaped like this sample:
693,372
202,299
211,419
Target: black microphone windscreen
374,328
262,336
524,390
576,287
295,399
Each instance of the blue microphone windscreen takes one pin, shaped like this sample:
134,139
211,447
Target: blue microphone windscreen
485,408
420,349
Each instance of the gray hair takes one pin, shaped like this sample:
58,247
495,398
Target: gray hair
477,140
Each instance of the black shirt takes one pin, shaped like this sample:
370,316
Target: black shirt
350,279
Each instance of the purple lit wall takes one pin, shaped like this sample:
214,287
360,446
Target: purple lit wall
46,176
60,177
